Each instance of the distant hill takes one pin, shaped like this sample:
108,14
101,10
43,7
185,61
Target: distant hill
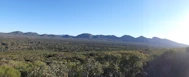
153,42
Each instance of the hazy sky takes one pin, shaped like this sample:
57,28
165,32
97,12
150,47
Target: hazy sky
162,18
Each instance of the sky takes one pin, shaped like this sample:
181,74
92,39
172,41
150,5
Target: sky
149,18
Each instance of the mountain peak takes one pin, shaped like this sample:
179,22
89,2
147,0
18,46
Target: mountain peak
156,38
31,33
17,32
84,35
142,37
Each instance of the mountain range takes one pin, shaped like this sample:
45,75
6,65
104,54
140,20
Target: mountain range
154,42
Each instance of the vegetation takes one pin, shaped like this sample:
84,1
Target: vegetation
63,45
36,57
94,64
75,64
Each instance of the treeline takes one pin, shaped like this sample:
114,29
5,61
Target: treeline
75,64
65,45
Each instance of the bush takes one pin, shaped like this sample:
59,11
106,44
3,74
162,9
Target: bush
6,71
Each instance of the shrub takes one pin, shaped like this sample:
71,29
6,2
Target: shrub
6,71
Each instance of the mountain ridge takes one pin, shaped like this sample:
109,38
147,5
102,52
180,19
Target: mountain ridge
154,41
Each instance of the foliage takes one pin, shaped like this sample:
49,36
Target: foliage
171,63
6,71
63,45
67,58
73,64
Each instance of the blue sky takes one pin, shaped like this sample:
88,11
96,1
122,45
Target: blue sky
161,18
